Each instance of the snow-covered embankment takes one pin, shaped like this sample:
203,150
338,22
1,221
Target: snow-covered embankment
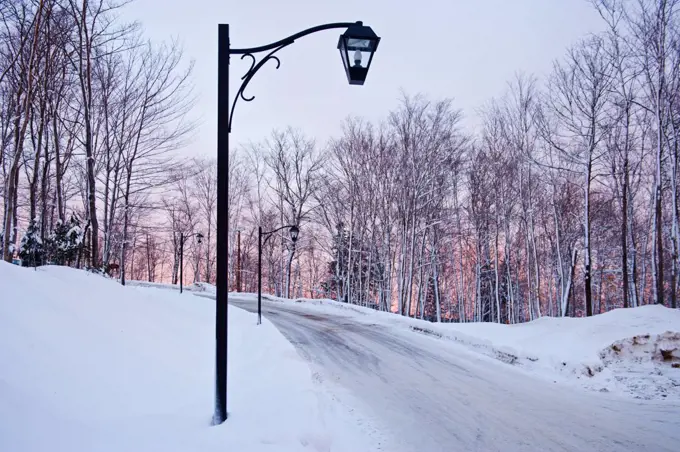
89,365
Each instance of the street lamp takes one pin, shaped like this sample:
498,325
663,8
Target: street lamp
199,239
363,42
294,231
357,38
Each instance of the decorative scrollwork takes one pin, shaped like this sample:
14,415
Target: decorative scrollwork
274,47
250,73
252,63
248,76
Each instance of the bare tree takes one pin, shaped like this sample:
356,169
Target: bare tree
205,192
295,164
27,28
577,100
158,124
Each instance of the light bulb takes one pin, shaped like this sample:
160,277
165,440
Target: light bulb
357,58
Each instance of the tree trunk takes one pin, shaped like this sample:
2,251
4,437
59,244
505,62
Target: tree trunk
421,272
126,216
537,274
528,272
624,233
33,183
497,278
661,60
434,262
674,229
586,239
19,134
288,269
412,254
148,259
85,76
659,246
402,263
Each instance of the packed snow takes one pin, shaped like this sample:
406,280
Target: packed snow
628,352
90,365
430,394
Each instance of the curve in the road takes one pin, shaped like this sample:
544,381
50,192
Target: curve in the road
434,396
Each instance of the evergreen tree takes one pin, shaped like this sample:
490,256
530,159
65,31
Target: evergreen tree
65,241
74,238
58,243
31,250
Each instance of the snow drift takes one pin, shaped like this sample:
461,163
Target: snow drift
89,365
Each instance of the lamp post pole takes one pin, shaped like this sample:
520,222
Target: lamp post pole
181,261
238,261
259,275
294,231
222,274
357,38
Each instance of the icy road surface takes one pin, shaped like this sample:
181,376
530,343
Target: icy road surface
429,395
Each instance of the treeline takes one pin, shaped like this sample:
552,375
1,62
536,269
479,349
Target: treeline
564,203
90,116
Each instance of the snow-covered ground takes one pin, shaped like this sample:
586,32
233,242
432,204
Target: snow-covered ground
630,352
89,365
86,364
200,287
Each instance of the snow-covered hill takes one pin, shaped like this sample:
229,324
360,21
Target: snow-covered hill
89,365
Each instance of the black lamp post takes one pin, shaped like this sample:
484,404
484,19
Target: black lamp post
294,231
357,38
199,239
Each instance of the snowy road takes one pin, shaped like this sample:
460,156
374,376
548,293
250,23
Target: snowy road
431,395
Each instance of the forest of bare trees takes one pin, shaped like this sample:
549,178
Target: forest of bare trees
563,203
92,114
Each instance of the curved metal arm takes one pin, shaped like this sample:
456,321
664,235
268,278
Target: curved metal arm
290,39
274,47
266,235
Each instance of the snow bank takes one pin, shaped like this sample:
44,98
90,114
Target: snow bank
89,365
631,352
194,287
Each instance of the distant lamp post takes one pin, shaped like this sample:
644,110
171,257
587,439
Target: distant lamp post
182,237
294,232
238,260
358,39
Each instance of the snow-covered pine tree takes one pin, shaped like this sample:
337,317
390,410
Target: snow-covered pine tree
58,243
31,250
74,238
